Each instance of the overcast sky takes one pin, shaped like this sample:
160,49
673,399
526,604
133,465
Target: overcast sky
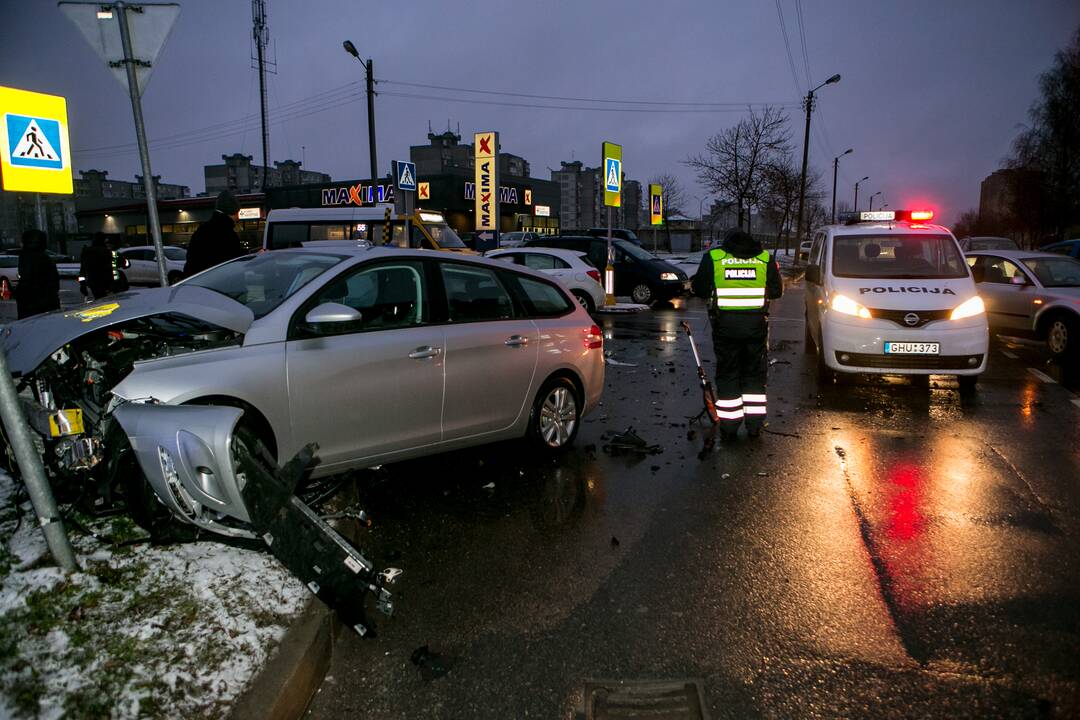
932,92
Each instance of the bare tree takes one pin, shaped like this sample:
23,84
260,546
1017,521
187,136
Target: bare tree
1045,193
736,161
781,196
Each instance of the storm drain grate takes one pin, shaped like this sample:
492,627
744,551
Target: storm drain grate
651,699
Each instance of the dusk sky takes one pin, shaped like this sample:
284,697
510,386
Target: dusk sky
931,97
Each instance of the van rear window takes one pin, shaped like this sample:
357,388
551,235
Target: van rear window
897,256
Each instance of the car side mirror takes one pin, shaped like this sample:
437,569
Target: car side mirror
978,273
331,313
1018,280
813,274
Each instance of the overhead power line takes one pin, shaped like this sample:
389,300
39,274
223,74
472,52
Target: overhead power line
587,108
787,49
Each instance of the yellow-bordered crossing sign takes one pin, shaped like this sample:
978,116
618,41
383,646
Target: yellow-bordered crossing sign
35,155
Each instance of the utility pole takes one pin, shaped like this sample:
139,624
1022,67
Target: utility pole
260,33
369,70
809,102
835,167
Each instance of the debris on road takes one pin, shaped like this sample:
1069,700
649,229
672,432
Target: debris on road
628,440
613,361
432,665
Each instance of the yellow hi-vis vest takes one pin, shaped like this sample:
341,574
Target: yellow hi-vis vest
740,282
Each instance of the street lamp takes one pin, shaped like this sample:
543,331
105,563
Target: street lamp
872,199
857,192
701,217
369,67
835,167
805,150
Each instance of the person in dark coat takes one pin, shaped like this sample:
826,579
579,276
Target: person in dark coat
39,282
738,279
96,266
215,241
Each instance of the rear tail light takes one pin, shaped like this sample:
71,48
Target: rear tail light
594,339
594,274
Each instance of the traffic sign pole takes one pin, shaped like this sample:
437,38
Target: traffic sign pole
144,152
609,271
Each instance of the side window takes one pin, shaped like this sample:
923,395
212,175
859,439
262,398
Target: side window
815,250
417,240
284,235
559,263
514,258
1000,270
321,231
598,253
387,296
537,261
474,294
540,298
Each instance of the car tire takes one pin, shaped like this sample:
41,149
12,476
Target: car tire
555,417
809,346
1062,336
175,277
642,294
122,471
584,300
967,384
825,374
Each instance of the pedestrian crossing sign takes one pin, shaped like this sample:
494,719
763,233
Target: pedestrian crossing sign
406,175
34,152
612,155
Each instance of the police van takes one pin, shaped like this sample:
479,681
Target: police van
378,225
890,292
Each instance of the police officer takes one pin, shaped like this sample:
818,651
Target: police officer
738,279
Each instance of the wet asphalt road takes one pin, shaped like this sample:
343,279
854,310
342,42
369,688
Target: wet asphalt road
885,550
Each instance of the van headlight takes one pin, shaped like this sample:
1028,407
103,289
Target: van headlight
844,304
969,308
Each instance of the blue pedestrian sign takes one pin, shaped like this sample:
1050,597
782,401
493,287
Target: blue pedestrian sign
406,175
35,142
613,175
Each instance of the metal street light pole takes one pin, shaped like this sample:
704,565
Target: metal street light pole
369,68
872,199
805,150
835,167
857,192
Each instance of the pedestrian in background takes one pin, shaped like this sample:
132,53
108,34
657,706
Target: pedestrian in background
38,290
738,279
96,267
215,241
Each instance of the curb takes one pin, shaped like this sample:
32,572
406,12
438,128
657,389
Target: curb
283,688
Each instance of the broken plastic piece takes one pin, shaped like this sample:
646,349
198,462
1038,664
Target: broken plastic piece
629,440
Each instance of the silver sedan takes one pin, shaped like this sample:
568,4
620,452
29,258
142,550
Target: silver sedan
377,355
1031,294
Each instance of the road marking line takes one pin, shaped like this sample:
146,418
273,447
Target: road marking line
1042,376
1010,355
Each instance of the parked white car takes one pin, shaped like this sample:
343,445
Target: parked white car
570,267
143,269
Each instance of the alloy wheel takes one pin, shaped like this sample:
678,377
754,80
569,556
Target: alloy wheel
1057,339
641,294
558,417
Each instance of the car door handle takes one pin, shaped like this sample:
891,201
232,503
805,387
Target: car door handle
427,351
516,341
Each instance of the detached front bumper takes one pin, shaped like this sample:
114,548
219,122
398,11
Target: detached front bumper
857,345
185,453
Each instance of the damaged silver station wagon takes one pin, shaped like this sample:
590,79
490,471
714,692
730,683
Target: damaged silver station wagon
181,402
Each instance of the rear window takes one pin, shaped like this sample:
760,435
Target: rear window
897,256
541,299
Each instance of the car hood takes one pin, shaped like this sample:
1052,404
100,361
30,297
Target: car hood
906,294
27,342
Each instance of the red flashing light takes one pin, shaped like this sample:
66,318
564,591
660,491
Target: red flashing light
917,215
594,339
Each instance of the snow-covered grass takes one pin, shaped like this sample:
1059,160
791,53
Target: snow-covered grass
141,631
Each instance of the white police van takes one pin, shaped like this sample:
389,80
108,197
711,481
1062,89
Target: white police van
889,292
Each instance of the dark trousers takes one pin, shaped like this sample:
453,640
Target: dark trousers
741,346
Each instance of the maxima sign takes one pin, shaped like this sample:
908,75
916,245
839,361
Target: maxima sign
486,202
359,194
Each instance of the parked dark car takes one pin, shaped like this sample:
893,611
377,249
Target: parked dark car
1069,248
983,242
638,273
620,233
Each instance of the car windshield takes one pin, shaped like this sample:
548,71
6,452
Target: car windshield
264,280
991,243
1055,272
897,256
634,251
444,236
175,253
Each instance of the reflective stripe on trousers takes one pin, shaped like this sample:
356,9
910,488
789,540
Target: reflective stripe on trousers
754,404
